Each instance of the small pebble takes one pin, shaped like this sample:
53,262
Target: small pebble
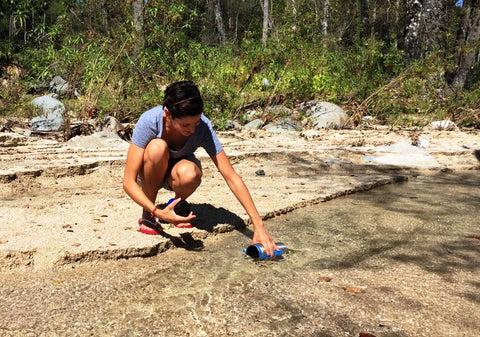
260,172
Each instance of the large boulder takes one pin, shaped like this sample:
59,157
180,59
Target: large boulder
325,115
51,114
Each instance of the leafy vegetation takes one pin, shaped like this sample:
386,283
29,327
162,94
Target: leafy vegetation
122,71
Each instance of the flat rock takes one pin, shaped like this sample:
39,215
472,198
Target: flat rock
73,209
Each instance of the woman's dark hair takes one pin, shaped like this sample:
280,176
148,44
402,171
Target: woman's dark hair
183,99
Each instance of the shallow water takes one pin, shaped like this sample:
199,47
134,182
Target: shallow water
400,260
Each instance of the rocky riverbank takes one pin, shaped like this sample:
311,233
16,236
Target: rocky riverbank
63,203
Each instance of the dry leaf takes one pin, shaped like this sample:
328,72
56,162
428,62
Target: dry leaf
112,244
365,334
127,228
354,290
96,230
57,280
76,244
324,279
2,241
67,226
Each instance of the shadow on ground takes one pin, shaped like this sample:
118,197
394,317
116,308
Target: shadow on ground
210,219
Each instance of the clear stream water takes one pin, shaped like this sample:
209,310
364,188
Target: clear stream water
400,260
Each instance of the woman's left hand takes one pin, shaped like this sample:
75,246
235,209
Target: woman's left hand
262,237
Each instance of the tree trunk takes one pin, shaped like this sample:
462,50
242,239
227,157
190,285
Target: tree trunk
138,25
266,18
425,27
103,10
397,22
11,27
412,41
468,52
326,16
217,9
434,20
364,14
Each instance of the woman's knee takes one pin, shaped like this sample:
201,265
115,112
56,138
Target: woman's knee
156,150
188,173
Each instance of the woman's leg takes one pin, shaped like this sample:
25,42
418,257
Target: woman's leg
185,177
155,165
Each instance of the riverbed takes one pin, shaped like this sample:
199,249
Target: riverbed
399,260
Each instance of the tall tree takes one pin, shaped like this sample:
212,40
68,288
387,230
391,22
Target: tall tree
138,6
266,19
471,46
365,17
412,41
217,9
326,16
434,15
425,27
397,22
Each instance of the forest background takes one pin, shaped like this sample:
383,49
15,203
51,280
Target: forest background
405,62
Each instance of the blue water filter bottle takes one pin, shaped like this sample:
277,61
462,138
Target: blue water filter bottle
257,251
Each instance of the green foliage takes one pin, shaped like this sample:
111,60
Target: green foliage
416,96
95,47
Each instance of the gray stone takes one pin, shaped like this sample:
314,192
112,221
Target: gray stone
254,125
233,125
260,172
51,114
59,86
286,124
109,123
99,140
325,115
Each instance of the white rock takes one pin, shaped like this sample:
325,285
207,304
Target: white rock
402,154
443,125
325,115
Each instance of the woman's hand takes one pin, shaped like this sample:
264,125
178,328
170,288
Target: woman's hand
168,214
262,237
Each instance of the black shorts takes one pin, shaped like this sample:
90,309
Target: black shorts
171,164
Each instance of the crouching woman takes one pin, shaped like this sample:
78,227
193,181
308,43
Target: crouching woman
161,155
